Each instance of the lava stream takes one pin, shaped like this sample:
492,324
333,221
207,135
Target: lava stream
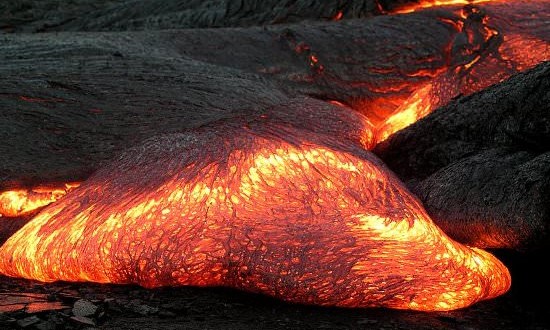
425,4
417,106
489,46
301,216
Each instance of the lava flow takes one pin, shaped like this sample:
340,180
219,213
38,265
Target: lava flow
305,217
19,202
424,4
493,41
417,106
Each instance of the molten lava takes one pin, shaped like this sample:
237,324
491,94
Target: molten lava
489,46
424,4
417,106
15,203
304,217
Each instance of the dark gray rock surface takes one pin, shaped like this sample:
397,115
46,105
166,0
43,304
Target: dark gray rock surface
481,164
109,15
73,100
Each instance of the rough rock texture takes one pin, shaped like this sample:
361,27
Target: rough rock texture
159,14
370,65
352,74
129,308
64,124
108,15
72,100
481,164
75,100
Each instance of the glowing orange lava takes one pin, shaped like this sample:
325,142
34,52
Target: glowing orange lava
524,52
15,203
300,216
306,217
417,106
485,50
424,4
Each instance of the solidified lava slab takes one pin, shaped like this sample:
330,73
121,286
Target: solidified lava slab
71,101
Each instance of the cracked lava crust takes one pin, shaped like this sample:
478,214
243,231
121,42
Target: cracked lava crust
302,216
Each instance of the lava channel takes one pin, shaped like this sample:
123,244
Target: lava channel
301,216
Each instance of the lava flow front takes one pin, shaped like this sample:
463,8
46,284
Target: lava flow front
304,217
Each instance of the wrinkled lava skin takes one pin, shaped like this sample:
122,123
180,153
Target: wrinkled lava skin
302,216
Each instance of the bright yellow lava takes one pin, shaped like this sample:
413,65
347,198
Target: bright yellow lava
15,203
417,106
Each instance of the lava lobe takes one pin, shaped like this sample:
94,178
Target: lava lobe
259,206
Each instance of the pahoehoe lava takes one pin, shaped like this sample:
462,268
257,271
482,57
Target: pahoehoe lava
294,207
261,206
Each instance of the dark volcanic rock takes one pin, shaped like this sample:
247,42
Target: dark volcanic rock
84,307
162,14
66,123
103,15
28,321
495,198
71,101
481,165
215,308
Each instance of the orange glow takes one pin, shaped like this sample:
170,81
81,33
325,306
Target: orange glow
485,50
315,64
338,16
15,203
416,107
524,52
424,4
282,214
338,103
313,59
248,209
